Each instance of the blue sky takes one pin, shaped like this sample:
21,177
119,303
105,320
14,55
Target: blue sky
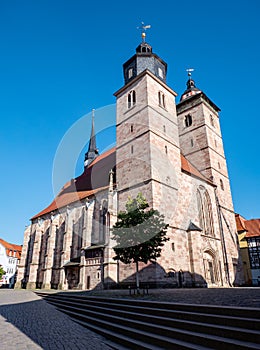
61,58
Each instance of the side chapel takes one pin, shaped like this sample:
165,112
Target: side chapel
173,154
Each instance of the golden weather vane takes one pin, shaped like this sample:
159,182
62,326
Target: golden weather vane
143,28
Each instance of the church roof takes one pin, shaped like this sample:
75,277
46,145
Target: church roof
95,178
190,169
11,248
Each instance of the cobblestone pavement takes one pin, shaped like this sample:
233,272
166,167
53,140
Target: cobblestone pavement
238,297
28,322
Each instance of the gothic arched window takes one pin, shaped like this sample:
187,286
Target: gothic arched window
131,98
161,98
103,222
205,211
188,120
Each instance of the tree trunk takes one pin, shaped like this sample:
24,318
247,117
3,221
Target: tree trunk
137,278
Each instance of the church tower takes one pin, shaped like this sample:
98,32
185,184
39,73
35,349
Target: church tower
201,143
147,153
201,140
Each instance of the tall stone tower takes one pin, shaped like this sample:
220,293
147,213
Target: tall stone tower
147,153
201,143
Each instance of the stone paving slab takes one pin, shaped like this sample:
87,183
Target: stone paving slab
238,297
28,323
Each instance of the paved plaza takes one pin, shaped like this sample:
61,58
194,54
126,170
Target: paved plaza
235,297
28,322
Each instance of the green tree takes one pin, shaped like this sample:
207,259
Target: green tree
139,233
2,271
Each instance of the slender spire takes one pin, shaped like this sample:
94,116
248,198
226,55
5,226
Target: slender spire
92,152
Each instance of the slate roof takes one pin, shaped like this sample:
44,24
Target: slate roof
95,178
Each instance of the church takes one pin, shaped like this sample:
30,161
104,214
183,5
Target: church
172,153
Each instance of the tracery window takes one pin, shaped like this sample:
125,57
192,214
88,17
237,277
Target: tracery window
205,211
161,98
131,98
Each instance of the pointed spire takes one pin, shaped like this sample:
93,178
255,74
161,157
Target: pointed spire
92,152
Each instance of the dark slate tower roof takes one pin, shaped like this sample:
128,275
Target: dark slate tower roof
92,152
191,89
142,60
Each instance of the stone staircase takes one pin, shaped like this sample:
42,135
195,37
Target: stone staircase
139,324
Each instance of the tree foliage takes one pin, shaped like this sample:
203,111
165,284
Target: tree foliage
139,232
2,271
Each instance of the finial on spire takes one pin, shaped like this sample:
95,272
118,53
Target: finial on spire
143,28
189,71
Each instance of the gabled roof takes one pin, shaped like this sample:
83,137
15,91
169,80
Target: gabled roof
95,178
250,227
240,222
253,228
10,248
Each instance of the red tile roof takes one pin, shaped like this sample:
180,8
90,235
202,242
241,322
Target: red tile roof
10,248
190,169
95,179
240,221
253,228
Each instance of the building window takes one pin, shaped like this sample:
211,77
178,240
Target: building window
132,128
166,150
205,211
173,247
161,98
188,120
130,73
221,184
131,98
191,142
164,128
212,120
218,165
132,149
160,72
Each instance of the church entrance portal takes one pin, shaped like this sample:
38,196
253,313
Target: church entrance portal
72,275
210,268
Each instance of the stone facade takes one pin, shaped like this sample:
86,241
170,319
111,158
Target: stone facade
174,156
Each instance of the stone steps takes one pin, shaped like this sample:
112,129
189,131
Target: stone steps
156,325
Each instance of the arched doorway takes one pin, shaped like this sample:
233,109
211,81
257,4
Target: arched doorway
211,268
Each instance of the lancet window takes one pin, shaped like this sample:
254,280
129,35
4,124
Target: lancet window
205,211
